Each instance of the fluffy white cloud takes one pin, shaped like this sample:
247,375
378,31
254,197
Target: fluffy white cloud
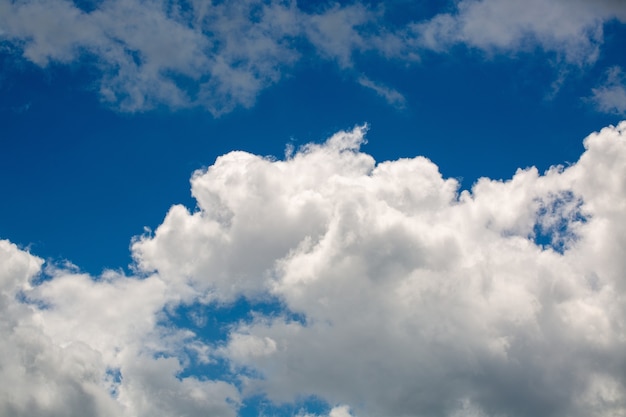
400,295
39,377
415,299
75,345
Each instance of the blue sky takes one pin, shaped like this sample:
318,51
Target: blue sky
251,290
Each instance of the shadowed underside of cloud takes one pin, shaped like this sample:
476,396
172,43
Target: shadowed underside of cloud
411,298
221,55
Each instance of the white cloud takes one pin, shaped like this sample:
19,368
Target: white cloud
340,32
159,53
610,97
338,411
150,388
415,300
63,340
218,56
410,298
334,31
220,250
221,55
39,377
393,97
571,29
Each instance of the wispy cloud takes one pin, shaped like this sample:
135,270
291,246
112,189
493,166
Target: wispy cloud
610,97
393,97
218,56
222,55
570,29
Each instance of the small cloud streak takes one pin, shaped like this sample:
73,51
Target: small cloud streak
393,97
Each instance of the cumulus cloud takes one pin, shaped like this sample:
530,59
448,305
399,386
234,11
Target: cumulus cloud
398,294
75,345
416,299
39,377
220,55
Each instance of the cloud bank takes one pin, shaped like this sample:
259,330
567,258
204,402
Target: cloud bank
398,295
220,55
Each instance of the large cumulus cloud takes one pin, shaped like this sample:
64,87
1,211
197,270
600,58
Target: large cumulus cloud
397,294
506,299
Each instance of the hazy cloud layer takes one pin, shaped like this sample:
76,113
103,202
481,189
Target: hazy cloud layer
410,298
221,55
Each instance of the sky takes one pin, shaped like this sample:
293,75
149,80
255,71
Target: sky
313,209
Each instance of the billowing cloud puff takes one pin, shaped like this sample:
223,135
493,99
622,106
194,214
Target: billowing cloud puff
74,345
397,294
417,300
